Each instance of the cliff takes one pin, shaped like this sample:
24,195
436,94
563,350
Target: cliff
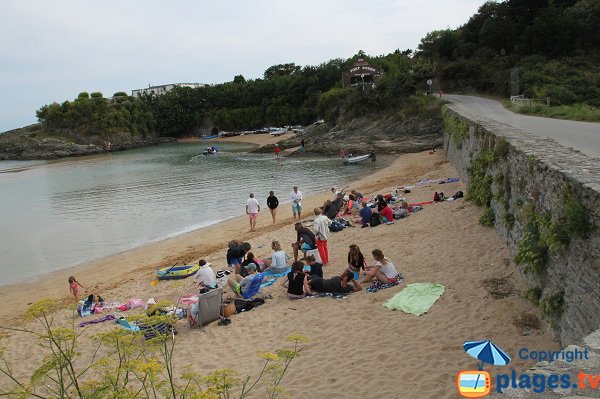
36,142
385,134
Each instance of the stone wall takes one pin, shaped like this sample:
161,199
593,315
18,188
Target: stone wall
545,203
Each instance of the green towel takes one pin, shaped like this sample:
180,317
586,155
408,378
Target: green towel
416,298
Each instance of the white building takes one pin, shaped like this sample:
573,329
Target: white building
162,89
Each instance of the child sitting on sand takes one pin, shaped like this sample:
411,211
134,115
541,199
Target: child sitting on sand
296,282
315,269
74,287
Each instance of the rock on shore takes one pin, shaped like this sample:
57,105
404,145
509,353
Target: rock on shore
34,142
390,134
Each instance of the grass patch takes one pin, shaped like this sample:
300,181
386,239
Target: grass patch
576,112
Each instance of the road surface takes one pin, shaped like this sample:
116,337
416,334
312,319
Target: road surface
582,136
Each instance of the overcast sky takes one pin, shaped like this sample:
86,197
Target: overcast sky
53,50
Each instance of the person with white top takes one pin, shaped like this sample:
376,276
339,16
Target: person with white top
296,199
321,229
278,261
205,276
383,270
252,209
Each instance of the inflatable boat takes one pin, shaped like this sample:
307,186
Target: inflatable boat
177,272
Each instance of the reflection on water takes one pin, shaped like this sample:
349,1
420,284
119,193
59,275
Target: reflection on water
58,214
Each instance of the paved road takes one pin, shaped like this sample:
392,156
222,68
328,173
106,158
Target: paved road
582,136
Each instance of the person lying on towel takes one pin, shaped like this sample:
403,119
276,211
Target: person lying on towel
248,286
337,284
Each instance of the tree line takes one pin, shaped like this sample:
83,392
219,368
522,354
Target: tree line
540,48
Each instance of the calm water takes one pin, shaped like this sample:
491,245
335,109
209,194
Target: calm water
55,215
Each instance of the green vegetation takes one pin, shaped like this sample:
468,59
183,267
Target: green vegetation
96,115
532,251
488,217
577,112
456,127
122,365
479,188
552,305
533,295
539,49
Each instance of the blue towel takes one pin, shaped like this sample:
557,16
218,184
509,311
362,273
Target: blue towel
254,286
272,277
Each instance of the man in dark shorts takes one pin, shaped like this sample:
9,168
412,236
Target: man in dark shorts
305,240
338,284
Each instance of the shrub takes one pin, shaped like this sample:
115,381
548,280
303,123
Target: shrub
131,367
553,305
533,295
488,217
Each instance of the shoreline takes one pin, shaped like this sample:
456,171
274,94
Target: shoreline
114,270
441,244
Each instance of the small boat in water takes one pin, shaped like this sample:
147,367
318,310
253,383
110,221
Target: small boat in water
177,272
211,150
360,158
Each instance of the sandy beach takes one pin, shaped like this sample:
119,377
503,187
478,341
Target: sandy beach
358,348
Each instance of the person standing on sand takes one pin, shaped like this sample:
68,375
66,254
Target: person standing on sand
321,229
252,209
74,287
277,150
272,204
296,199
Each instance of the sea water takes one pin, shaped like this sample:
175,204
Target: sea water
58,214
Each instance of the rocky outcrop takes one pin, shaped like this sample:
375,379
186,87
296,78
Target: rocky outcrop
33,142
388,134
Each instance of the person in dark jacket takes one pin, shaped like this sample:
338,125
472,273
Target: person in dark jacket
272,204
333,209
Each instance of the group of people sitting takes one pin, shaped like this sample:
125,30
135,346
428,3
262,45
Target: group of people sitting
306,278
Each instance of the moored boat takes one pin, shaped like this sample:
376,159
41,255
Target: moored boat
360,158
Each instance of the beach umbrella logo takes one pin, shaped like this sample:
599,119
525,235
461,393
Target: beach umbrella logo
477,383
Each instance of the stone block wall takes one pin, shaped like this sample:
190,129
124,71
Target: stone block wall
545,203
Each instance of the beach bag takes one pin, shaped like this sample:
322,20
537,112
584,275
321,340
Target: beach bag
336,226
459,194
436,197
375,220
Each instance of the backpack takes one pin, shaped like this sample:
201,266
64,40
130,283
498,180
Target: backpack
375,220
436,197
336,226
459,194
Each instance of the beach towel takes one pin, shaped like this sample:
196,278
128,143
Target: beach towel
416,298
122,321
378,285
272,277
254,286
96,321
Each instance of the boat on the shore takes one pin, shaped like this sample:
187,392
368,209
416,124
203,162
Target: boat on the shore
177,272
360,158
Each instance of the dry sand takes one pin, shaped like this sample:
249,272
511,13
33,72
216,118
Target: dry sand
359,349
